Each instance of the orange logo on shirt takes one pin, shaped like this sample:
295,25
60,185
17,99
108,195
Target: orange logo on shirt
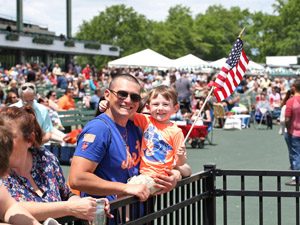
131,159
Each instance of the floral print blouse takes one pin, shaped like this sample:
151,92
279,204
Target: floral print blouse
48,176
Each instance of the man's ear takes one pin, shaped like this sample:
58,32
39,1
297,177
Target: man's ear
106,94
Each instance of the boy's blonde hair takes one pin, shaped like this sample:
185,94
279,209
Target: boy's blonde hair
167,92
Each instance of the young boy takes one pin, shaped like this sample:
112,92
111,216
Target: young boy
10,211
163,142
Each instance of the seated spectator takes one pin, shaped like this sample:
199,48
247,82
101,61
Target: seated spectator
13,86
62,81
66,102
275,100
205,117
52,97
96,98
56,133
11,98
35,178
230,102
27,93
263,107
10,211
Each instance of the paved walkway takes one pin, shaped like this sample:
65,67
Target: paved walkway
242,149
245,149
248,149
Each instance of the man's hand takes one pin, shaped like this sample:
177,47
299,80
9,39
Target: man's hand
139,190
167,183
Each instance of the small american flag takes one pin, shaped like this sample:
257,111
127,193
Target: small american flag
232,72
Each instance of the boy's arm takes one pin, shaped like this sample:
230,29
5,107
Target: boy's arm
185,170
179,146
181,156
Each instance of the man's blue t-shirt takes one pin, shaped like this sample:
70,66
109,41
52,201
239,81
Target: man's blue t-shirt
104,142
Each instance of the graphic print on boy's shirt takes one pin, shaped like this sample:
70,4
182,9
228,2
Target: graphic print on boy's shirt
157,148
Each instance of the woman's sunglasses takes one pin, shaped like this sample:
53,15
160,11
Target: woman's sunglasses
124,94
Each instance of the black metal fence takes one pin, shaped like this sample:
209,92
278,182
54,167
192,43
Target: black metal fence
239,196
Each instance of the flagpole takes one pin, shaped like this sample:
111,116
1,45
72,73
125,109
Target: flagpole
199,113
242,32
208,96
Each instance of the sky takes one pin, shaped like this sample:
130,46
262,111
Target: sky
52,14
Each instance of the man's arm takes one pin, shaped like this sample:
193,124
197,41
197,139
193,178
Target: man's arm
82,178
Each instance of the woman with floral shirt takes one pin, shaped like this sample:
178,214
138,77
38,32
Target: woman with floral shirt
35,178
10,211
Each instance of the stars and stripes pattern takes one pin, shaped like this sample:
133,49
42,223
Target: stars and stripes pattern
232,72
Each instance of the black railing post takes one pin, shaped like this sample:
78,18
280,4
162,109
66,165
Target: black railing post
209,204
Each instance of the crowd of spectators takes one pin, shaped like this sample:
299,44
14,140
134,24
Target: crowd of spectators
83,87
31,96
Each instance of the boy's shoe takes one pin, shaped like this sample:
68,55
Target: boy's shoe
51,221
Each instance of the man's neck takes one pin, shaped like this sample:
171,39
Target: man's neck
120,120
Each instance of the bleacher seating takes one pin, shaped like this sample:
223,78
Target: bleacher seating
73,119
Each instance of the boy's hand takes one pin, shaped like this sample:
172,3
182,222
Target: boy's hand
103,105
180,151
139,190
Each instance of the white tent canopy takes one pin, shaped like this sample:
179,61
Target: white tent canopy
144,58
255,66
218,63
221,62
189,61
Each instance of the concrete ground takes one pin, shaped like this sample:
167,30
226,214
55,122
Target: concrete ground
246,149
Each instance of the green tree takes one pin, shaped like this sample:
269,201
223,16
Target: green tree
176,39
118,25
289,33
219,28
262,36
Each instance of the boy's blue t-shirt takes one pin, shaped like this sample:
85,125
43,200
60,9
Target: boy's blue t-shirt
103,141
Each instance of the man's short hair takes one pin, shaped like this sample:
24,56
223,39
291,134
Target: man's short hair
27,87
123,76
6,147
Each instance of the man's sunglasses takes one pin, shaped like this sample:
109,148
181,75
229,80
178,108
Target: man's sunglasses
27,86
124,94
